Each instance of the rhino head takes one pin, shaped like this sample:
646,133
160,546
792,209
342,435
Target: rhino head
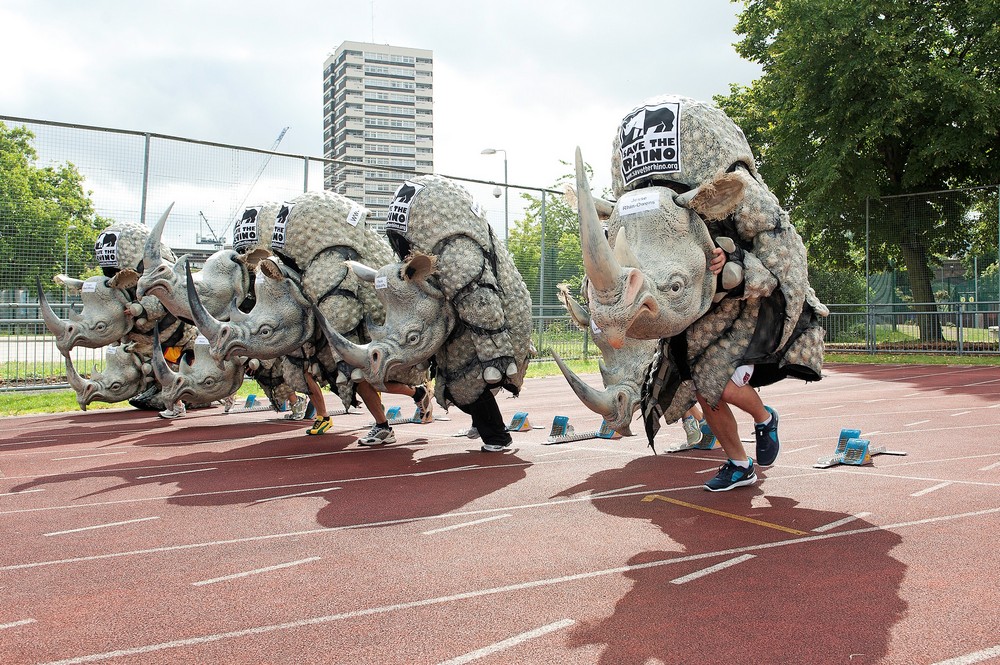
200,378
103,319
418,319
124,376
622,371
652,280
280,322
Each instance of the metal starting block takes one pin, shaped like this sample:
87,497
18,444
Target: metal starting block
853,450
519,423
562,432
250,405
392,415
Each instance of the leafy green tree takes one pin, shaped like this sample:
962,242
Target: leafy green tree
865,99
38,205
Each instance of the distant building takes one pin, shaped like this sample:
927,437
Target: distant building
377,112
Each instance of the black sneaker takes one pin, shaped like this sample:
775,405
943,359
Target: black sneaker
767,439
731,476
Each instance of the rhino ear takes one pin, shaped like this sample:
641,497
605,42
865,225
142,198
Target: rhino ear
270,269
253,258
419,267
716,199
124,279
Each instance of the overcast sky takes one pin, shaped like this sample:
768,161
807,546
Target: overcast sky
536,78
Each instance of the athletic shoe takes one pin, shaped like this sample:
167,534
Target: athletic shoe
227,404
731,476
425,406
320,426
495,447
708,440
767,439
298,409
176,411
693,430
377,436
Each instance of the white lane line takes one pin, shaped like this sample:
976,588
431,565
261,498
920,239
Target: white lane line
558,452
991,467
798,450
932,489
878,431
842,522
960,413
919,422
176,473
59,459
465,524
714,468
257,571
292,457
620,489
289,496
830,408
21,492
969,658
449,470
100,526
15,624
509,642
712,569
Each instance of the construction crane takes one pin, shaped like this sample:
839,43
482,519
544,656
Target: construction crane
253,183
205,240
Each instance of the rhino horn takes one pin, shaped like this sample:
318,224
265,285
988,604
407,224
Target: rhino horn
600,402
68,282
355,355
83,388
152,249
161,370
55,325
363,272
623,251
207,324
599,261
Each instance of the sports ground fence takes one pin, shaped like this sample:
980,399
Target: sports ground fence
134,176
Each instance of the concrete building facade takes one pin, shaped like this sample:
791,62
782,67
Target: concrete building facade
377,115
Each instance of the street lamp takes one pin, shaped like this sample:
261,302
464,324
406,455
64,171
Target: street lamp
66,259
506,229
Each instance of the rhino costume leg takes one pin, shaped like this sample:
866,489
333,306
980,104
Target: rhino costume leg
488,420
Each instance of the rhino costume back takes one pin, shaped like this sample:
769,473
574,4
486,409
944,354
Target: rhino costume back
491,343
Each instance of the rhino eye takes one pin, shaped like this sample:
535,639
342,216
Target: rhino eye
412,337
264,331
116,386
675,285
100,326
209,382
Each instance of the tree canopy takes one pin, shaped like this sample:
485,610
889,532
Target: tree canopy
38,205
866,98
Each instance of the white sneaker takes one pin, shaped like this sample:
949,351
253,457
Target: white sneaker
692,428
425,407
227,404
176,411
377,436
298,409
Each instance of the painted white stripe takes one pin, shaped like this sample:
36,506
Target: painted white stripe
176,473
558,452
798,450
15,624
289,496
620,489
293,457
509,642
465,524
960,413
714,468
59,459
830,408
385,609
21,492
257,571
931,489
712,569
100,526
968,659
457,468
919,422
991,467
878,431
846,520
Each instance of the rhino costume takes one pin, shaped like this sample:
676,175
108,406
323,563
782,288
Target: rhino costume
455,298
686,181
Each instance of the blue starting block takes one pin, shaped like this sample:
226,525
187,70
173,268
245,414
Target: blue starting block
853,450
562,432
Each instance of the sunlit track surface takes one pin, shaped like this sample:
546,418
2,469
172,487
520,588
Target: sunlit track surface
236,538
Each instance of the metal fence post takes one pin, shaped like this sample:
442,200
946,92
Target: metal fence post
541,280
305,175
145,180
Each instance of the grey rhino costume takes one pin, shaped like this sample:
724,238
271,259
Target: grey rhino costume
675,162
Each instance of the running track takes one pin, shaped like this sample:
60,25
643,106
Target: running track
236,538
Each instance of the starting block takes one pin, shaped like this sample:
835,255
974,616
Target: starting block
392,415
519,423
853,450
562,432
251,405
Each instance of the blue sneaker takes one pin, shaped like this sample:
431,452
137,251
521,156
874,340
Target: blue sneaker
731,476
767,439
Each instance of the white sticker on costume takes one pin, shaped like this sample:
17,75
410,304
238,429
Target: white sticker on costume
593,326
638,201
398,216
649,140
106,249
111,350
280,221
381,282
245,231
201,340
476,209
88,287
357,215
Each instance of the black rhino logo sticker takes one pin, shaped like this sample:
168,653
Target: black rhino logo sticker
245,232
280,220
106,250
649,139
397,217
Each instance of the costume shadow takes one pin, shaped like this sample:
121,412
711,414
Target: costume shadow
813,600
